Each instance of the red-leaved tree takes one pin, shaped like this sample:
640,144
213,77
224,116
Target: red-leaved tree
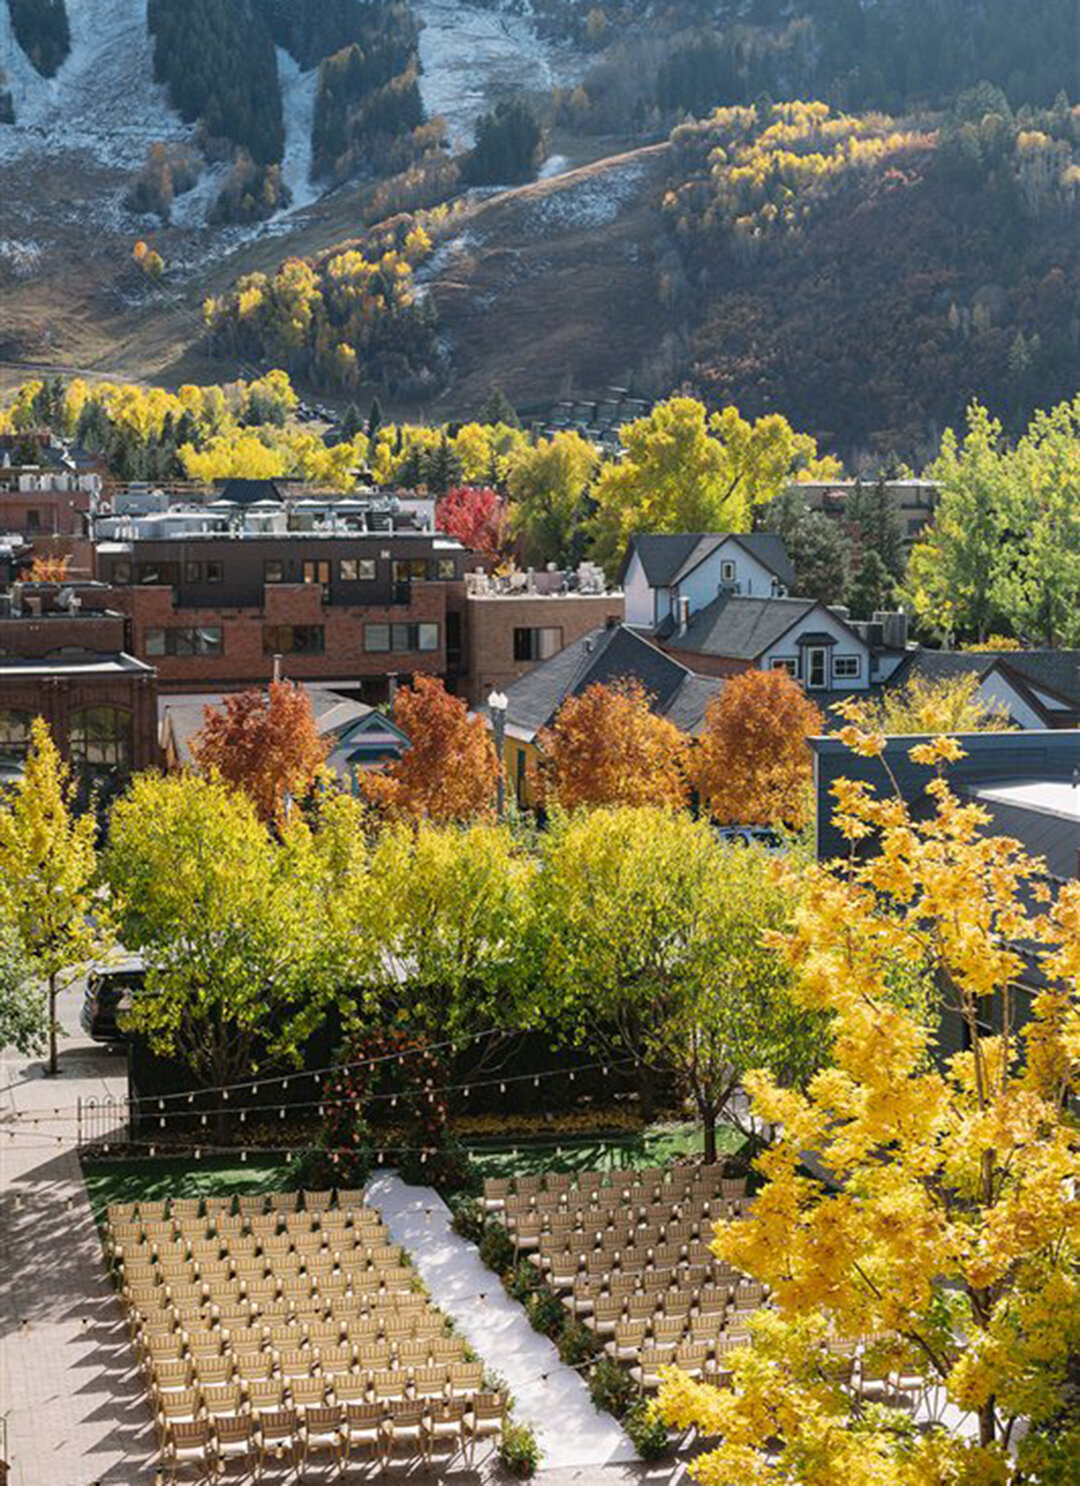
449,770
476,515
752,766
266,744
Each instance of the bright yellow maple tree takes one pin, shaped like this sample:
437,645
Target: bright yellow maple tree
951,1238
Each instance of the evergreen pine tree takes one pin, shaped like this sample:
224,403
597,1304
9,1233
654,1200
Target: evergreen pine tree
871,588
375,418
351,423
499,409
442,468
872,520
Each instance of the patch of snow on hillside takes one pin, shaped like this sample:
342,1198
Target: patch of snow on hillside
103,100
592,201
472,55
298,91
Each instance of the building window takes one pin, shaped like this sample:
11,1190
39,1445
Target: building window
121,571
788,663
317,572
100,736
400,638
273,572
163,574
293,639
193,572
446,568
33,520
537,644
215,572
186,640
727,571
847,667
408,568
356,570
14,733
817,676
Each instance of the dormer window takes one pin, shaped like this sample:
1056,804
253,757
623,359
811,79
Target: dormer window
727,571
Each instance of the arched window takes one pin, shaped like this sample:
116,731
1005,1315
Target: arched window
101,738
14,733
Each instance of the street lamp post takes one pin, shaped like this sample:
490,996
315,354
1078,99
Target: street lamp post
497,705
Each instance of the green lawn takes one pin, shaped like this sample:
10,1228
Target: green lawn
180,1176
653,1147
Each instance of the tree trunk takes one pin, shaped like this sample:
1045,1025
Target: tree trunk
708,1120
53,1066
987,1423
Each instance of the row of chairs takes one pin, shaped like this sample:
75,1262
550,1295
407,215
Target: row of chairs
274,1318
243,1235
157,1209
707,1286
378,1429
553,1187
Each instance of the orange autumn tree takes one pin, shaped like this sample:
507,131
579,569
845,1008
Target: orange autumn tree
266,744
449,770
607,747
47,569
752,766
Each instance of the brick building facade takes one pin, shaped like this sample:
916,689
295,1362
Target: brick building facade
71,668
507,634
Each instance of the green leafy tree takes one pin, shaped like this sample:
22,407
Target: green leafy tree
452,904
548,485
24,1018
48,871
952,571
1038,576
649,946
227,919
686,470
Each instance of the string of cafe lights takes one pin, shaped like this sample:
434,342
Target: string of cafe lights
298,1074
154,1106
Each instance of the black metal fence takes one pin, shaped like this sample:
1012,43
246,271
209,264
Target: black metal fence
107,1121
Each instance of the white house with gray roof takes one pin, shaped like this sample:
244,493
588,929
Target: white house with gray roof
687,570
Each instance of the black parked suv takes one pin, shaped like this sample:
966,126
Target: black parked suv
109,989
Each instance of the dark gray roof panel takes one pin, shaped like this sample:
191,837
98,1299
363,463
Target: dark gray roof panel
1057,669
737,628
604,656
668,557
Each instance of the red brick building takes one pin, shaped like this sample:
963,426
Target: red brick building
70,666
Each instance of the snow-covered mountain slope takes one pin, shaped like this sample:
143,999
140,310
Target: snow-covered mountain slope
103,101
472,55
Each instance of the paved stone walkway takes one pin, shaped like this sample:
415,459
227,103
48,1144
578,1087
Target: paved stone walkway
550,1396
75,1410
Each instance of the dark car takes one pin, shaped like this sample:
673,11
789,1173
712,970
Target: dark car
109,990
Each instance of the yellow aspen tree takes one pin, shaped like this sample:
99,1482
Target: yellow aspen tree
948,1237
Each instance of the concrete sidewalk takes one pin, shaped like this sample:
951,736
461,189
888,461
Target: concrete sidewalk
74,1404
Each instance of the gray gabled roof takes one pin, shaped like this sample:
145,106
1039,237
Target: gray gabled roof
1057,671
736,628
666,558
603,657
